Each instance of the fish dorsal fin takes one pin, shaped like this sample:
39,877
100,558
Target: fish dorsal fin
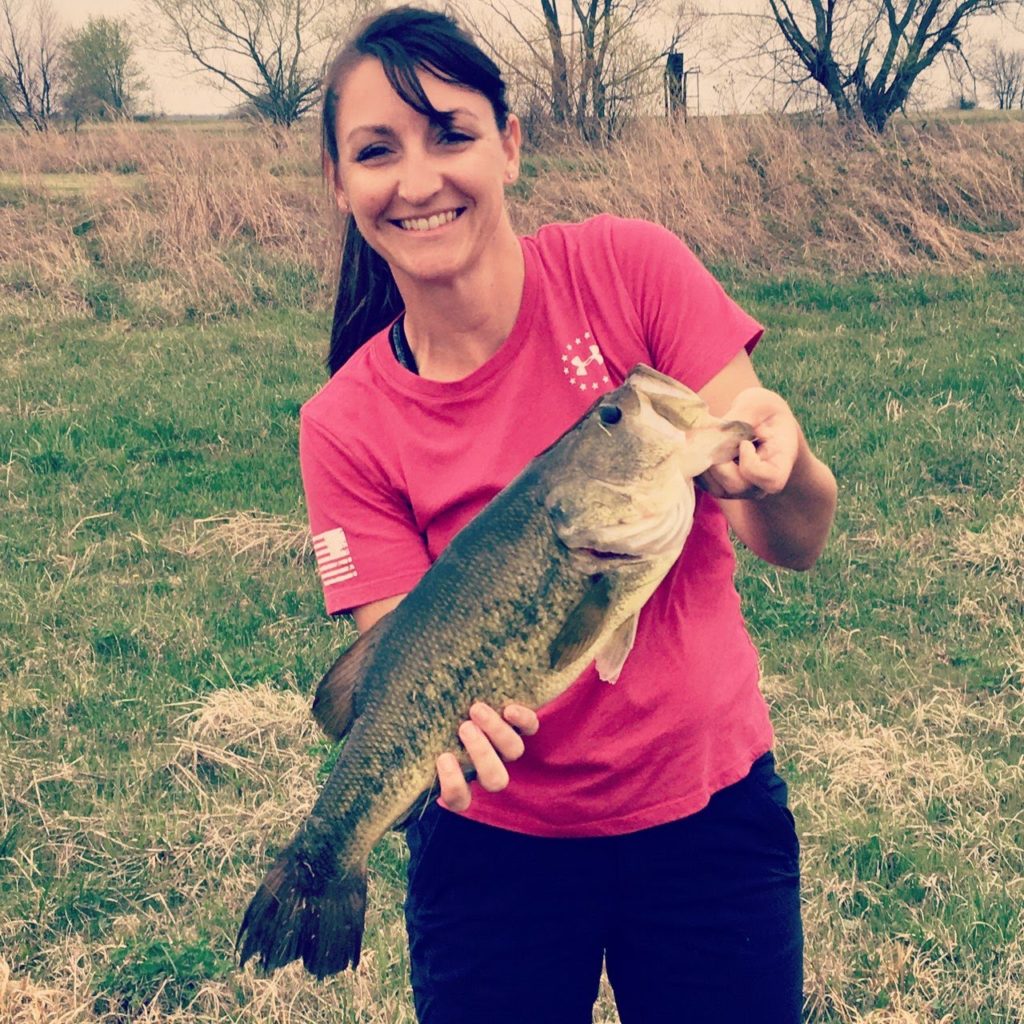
612,656
585,624
333,703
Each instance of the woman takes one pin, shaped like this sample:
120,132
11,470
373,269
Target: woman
643,824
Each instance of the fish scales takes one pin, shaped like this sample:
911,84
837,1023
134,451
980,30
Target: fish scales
459,652
551,575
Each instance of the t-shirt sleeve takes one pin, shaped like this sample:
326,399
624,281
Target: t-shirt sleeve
691,326
365,539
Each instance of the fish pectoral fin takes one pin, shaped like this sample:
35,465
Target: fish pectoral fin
612,656
584,625
333,705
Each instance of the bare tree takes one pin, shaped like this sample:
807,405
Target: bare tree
1003,72
867,55
272,52
29,63
592,60
962,79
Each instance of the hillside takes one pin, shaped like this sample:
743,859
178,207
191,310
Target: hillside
175,223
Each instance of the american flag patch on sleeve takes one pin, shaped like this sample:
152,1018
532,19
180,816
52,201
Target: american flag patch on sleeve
333,558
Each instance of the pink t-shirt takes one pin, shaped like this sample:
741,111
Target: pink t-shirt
394,465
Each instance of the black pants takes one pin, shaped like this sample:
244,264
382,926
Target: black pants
699,919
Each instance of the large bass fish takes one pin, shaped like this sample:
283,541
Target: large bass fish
550,576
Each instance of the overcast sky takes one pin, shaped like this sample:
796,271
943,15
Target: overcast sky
176,91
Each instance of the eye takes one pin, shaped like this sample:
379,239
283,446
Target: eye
453,137
371,153
610,414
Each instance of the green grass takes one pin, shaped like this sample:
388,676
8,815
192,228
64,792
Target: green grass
161,631
67,184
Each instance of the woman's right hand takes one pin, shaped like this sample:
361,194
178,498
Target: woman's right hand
490,739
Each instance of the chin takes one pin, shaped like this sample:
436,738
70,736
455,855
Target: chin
432,273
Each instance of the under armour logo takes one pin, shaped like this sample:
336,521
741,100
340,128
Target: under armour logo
575,367
582,364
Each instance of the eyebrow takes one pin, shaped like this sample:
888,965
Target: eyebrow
372,129
385,131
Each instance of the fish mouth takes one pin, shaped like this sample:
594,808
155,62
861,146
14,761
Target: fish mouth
610,555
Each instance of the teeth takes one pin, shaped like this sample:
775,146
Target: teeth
426,223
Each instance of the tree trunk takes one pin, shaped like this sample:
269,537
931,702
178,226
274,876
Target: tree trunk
560,107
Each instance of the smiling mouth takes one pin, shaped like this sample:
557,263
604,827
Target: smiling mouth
429,223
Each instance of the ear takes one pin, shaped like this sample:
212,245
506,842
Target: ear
512,141
333,175
339,195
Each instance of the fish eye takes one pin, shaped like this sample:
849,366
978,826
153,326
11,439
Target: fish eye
610,414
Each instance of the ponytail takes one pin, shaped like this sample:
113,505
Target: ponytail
367,300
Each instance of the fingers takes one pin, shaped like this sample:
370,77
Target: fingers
523,719
454,787
758,472
752,475
727,480
490,740
770,464
765,467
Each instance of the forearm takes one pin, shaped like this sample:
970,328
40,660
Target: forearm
789,528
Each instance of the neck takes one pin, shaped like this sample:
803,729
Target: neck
453,327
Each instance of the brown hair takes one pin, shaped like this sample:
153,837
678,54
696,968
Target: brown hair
405,40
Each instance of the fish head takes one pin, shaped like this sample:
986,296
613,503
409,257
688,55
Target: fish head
619,485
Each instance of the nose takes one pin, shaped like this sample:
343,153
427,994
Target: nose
420,179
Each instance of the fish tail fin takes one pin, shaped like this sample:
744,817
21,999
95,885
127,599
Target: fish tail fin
298,915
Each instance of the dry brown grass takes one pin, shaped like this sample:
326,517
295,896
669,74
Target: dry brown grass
192,223
180,243
768,195
994,558
998,549
252,534
66,1002
882,779
267,737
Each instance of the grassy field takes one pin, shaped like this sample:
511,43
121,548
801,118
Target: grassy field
161,630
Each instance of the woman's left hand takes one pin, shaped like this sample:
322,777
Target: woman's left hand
764,465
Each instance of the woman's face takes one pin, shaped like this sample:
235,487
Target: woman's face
427,199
